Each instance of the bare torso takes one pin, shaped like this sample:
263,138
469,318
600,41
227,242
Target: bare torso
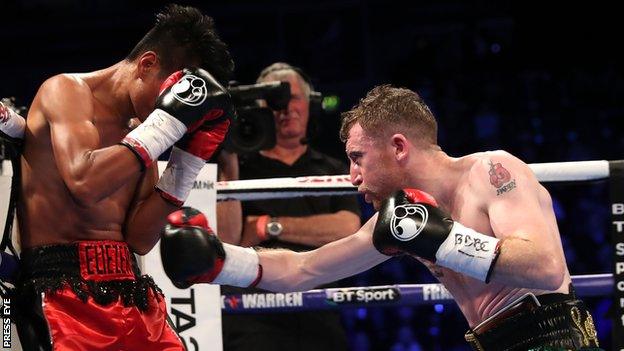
47,211
476,299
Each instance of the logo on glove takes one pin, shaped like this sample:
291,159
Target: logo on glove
406,228
190,90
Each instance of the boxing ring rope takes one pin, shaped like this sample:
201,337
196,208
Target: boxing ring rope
279,188
374,296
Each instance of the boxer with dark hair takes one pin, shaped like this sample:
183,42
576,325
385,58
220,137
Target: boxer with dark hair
90,197
482,224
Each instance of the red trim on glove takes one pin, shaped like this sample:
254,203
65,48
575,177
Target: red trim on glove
209,116
139,151
204,142
170,198
171,80
210,276
415,195
188,216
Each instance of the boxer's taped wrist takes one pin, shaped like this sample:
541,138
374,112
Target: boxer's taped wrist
469,252
258,277
156,134
177,180
169,198
139,156
241,267
496,255
11,123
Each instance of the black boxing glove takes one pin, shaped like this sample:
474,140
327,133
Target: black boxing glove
191,253
410,222
188,99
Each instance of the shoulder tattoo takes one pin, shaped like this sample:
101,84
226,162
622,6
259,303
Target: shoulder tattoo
500,178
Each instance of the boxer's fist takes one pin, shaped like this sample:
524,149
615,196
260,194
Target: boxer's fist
204,137
410,222
193,96
191,253
205,140
189,99
189,249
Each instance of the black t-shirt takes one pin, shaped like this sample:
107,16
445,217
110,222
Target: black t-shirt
309,330
312,162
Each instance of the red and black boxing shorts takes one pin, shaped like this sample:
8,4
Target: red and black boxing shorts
89,295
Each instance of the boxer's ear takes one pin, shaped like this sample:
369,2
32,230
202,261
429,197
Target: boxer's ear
147,64
400,146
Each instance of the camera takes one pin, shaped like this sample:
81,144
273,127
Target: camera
253,128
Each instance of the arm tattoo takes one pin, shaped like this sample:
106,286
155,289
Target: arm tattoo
500,178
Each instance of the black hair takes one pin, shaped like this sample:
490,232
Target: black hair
183,37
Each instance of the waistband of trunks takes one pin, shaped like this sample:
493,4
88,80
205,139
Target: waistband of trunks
105,270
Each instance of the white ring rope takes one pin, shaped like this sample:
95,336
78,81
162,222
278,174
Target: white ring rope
280,188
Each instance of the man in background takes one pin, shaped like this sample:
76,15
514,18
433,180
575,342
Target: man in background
298,224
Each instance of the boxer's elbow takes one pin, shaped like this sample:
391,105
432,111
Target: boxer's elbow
83,193
551,274
139,248
87,185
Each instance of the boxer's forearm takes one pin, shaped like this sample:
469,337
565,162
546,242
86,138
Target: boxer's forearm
318,230
524,263
143,227
147,215
289,271
100,173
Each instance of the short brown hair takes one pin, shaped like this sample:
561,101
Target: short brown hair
388,110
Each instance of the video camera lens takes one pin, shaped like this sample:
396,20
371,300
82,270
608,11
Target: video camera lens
252,130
